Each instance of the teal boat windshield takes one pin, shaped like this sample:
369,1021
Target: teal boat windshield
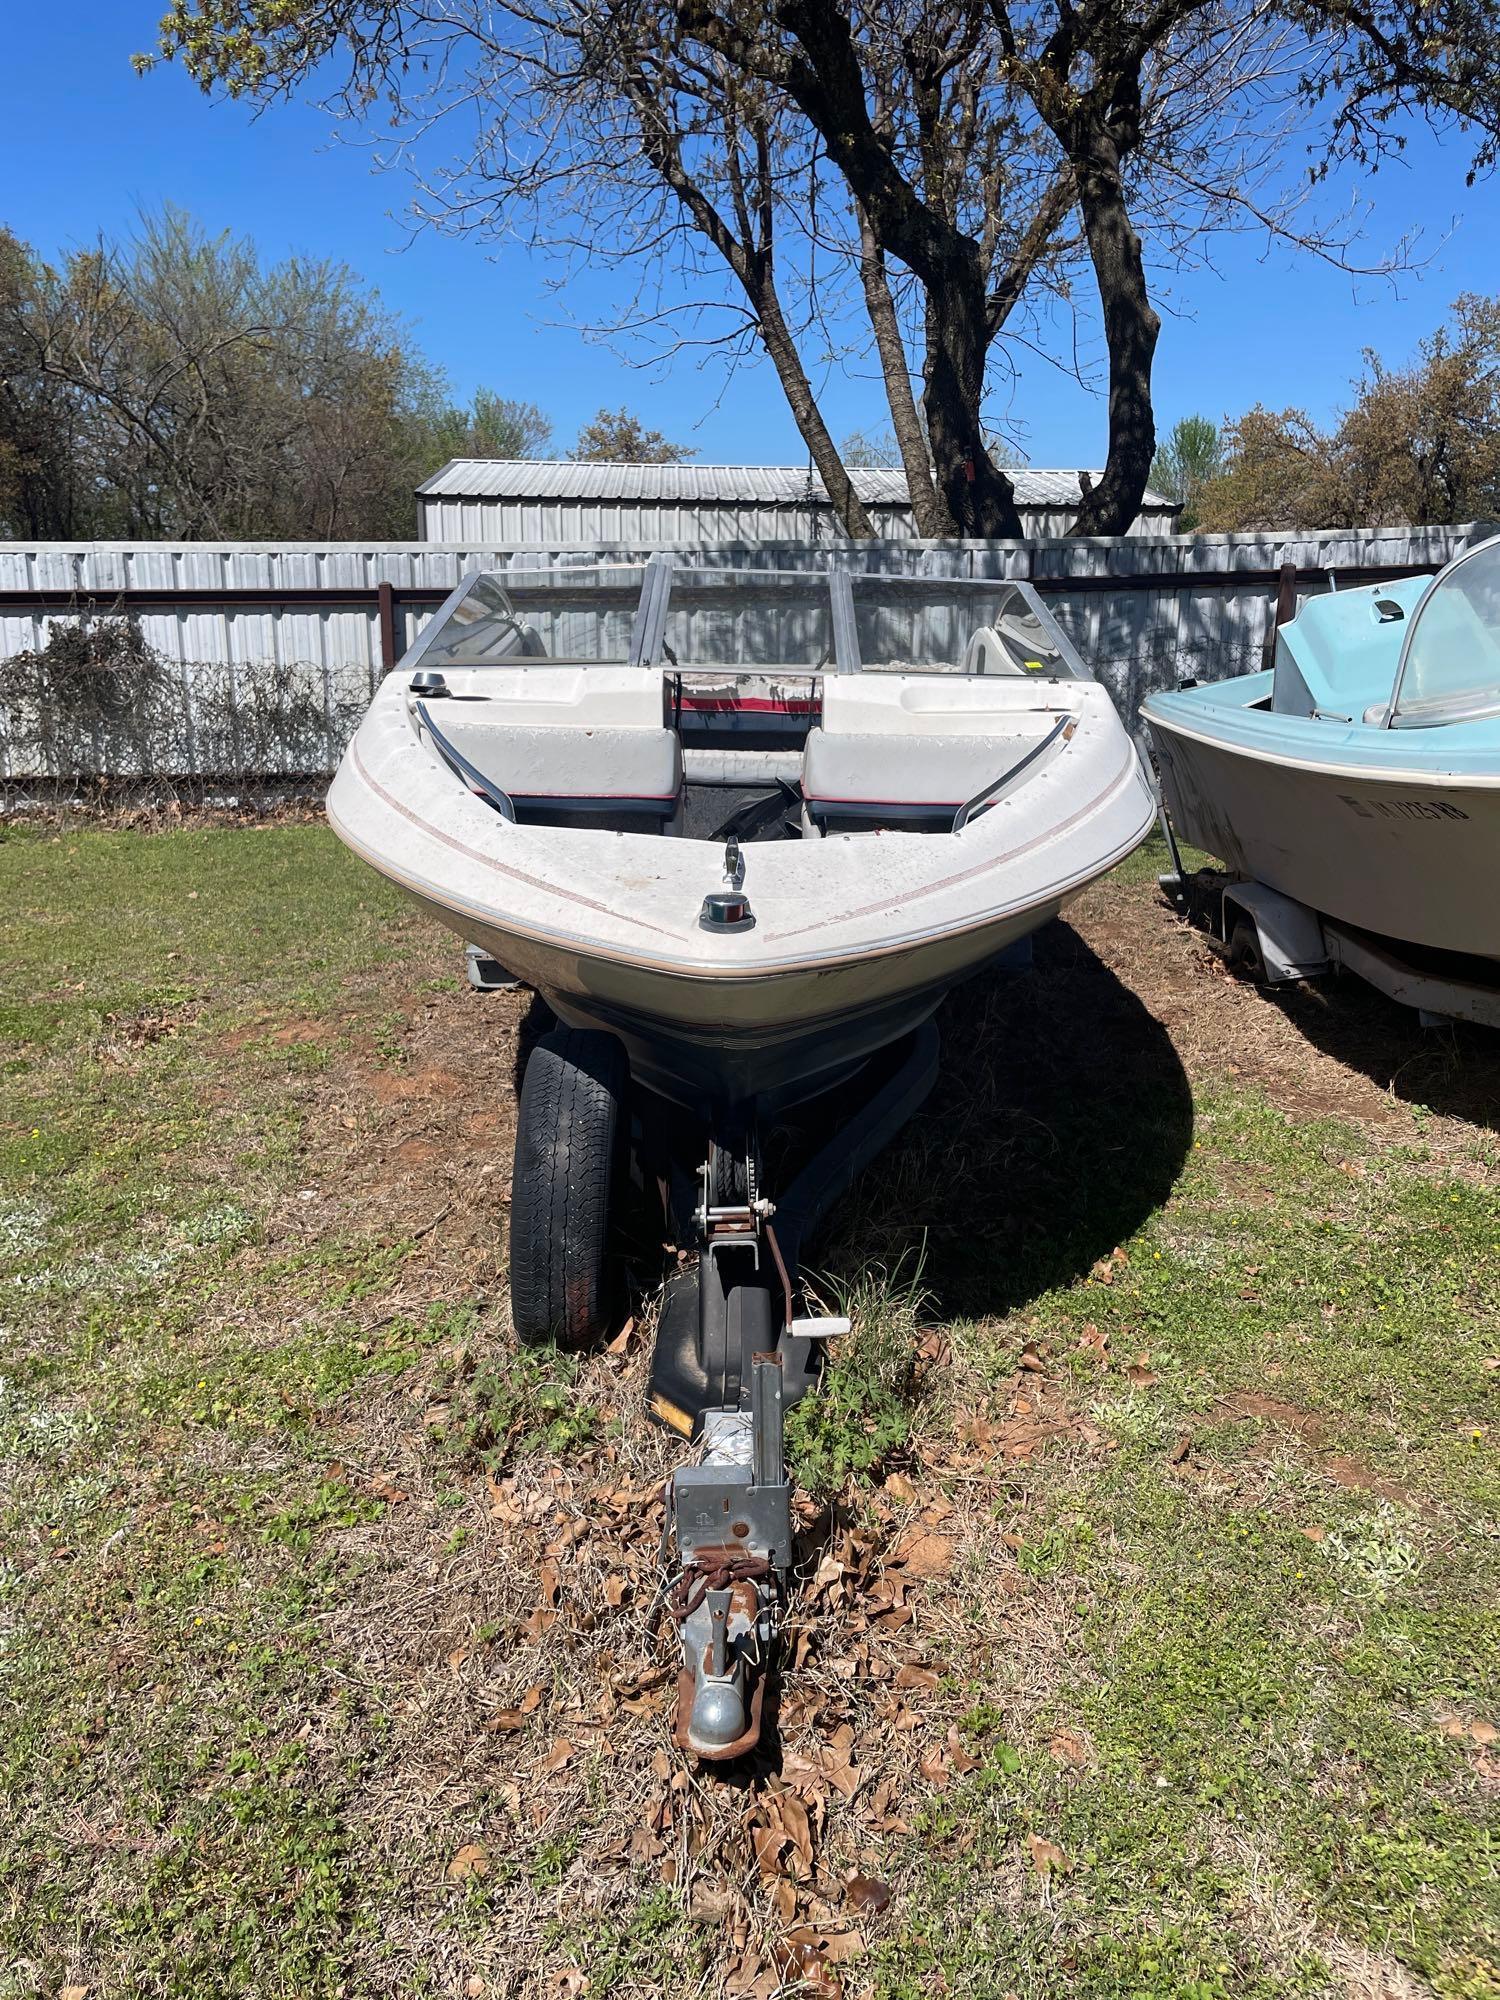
1450,670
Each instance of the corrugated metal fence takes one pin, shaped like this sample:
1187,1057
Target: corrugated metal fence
260,658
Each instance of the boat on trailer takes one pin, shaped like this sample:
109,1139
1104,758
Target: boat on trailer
741,831
1353,792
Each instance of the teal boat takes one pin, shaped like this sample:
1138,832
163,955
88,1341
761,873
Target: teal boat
1353,791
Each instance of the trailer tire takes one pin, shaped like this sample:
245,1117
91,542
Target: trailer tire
569,1137
1246,959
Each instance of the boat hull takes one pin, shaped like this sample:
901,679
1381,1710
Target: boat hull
855,937
773,1040
1408,854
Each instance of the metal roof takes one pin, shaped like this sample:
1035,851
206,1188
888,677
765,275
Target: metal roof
614,480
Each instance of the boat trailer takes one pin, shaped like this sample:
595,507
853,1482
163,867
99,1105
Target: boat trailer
732,1356
1275,940
732,1353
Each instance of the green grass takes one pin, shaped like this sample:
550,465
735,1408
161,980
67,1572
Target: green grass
218,1773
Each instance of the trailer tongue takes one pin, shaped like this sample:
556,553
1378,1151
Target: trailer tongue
730,1359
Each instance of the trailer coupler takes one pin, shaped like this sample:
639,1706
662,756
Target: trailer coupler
730,1516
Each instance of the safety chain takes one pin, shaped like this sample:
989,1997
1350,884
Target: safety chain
695,1580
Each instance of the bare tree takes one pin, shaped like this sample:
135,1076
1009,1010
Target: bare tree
956,160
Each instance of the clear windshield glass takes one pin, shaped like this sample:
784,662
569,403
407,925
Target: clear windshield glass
923,624
564,615
1451,668
805,621
749,618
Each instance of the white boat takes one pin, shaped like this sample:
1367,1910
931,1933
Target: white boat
923,774
1353,791
741,832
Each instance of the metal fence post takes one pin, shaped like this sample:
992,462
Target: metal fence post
386,604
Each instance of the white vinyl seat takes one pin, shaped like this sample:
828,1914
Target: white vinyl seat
561,771
853,780
574,776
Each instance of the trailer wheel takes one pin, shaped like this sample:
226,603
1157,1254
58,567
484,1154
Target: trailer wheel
568,1141
1246,960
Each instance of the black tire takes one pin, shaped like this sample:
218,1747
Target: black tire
1244,955
727,1184
568,1139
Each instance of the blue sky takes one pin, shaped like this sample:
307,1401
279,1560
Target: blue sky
85,143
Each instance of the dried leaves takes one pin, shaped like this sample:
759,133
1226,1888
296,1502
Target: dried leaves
1478,1731
1046,1857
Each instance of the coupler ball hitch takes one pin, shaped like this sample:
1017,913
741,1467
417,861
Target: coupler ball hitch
731,1518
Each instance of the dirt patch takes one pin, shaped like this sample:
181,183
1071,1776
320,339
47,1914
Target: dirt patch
427,1085
1357,1478
303,1030
1247,1403
1343,1471
1336,1049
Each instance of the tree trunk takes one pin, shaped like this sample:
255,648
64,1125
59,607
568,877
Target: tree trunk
782,349
752,263
1131,327
825,79
934,520
975,491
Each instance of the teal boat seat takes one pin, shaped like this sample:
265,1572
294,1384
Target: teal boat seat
1337,659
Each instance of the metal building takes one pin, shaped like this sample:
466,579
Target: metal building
545,503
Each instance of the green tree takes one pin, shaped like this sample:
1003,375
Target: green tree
176,385
492,426
620,436
1191,456
1419,443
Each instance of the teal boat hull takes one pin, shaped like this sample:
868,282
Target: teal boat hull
1393,830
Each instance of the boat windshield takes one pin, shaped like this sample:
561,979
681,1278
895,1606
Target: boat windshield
566,615
845,621
743,618
666,613
1450,670
917,624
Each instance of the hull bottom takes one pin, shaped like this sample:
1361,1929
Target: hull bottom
766,1043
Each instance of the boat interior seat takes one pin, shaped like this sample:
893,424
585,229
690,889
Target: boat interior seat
1340,652
855,781
619,779
559,695
987,653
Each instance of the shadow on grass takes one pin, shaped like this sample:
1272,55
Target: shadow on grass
1453,1069
1058,1125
